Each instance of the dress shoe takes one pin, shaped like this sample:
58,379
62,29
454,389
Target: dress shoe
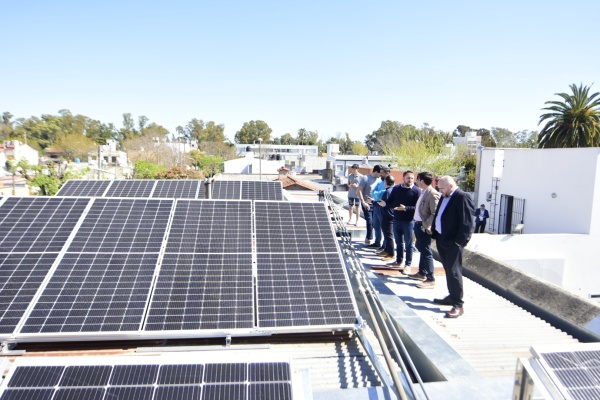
387,258
383,254
455,312
446,301
417,277
380,252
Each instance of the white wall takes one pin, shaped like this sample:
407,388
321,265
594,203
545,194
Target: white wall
242,166
534,175
568,260
595,223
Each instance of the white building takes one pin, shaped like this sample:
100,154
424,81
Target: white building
15,150
297,158
554,196
109,155
471,140
251,164
343,162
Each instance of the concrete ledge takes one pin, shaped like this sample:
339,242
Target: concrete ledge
575,315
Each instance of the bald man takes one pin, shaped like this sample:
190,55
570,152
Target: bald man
452,231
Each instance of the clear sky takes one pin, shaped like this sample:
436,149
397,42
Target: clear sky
326,66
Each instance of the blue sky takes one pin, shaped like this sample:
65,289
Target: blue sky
326,66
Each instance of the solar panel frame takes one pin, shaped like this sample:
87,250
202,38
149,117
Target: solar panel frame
38,224
84,188
136,188
215,376
226,190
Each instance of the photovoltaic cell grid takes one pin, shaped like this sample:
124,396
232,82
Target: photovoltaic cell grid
211,226
293,228
203,291
130,188
94,293
84,188
38,224
20,278
123,225
577,371
245,381
226,190
262,190
177,189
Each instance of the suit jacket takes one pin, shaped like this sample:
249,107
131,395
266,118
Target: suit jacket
486,215
427,208
456,220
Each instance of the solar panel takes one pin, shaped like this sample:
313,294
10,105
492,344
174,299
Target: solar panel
202,291
130,188
293,228
94,293
177,189
38,224
576,372
84,188
151,378
123,225
262,190
223,190
20,278
211,226
303,290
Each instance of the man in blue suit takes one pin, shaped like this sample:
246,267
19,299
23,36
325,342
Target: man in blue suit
481,216
452,231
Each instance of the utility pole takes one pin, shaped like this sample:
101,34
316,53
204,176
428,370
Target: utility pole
99,162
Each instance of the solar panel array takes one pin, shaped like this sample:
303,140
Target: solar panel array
152,378
177,189
102,268
576,372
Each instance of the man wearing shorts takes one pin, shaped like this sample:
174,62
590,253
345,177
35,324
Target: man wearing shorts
353,200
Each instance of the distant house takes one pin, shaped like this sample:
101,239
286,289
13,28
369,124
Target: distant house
470,140
109,155
15,150
298,158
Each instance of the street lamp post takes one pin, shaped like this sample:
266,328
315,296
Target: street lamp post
260,158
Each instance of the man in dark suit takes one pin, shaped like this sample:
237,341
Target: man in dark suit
481,216
452,231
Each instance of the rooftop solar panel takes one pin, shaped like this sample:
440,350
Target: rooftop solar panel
20,278
262,190
303,290
38,224
202,291
223,190
123,225
131,188
94,293
84,188
177,189
211,226
153,379
293,228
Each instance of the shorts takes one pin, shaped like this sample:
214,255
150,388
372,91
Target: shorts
353,201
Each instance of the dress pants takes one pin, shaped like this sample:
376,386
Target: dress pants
426,253
377,220
368,214
479,226
403,234
387,225
451,257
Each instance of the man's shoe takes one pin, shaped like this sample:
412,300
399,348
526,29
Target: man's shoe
426,285
446,301
373,246
380,252
455,312
396,264
387,258
417,277
406,270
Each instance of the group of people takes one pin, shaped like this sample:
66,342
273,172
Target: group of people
395,212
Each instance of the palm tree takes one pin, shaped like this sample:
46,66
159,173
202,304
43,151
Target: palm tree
574,122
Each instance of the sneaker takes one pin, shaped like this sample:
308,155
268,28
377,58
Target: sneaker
387,258
407,270
426,285
383,254
417,277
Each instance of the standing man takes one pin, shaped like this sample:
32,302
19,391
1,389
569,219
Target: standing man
481,216
403,200
365,186
377,194
424,213
452,231
387,220
353,200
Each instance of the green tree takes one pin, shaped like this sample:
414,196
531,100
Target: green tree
75,145
573,122
198,130
359,149
146,170
6,125
179,173
287,138
252,131
208,165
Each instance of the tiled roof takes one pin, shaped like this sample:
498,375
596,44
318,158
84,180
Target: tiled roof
289,181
